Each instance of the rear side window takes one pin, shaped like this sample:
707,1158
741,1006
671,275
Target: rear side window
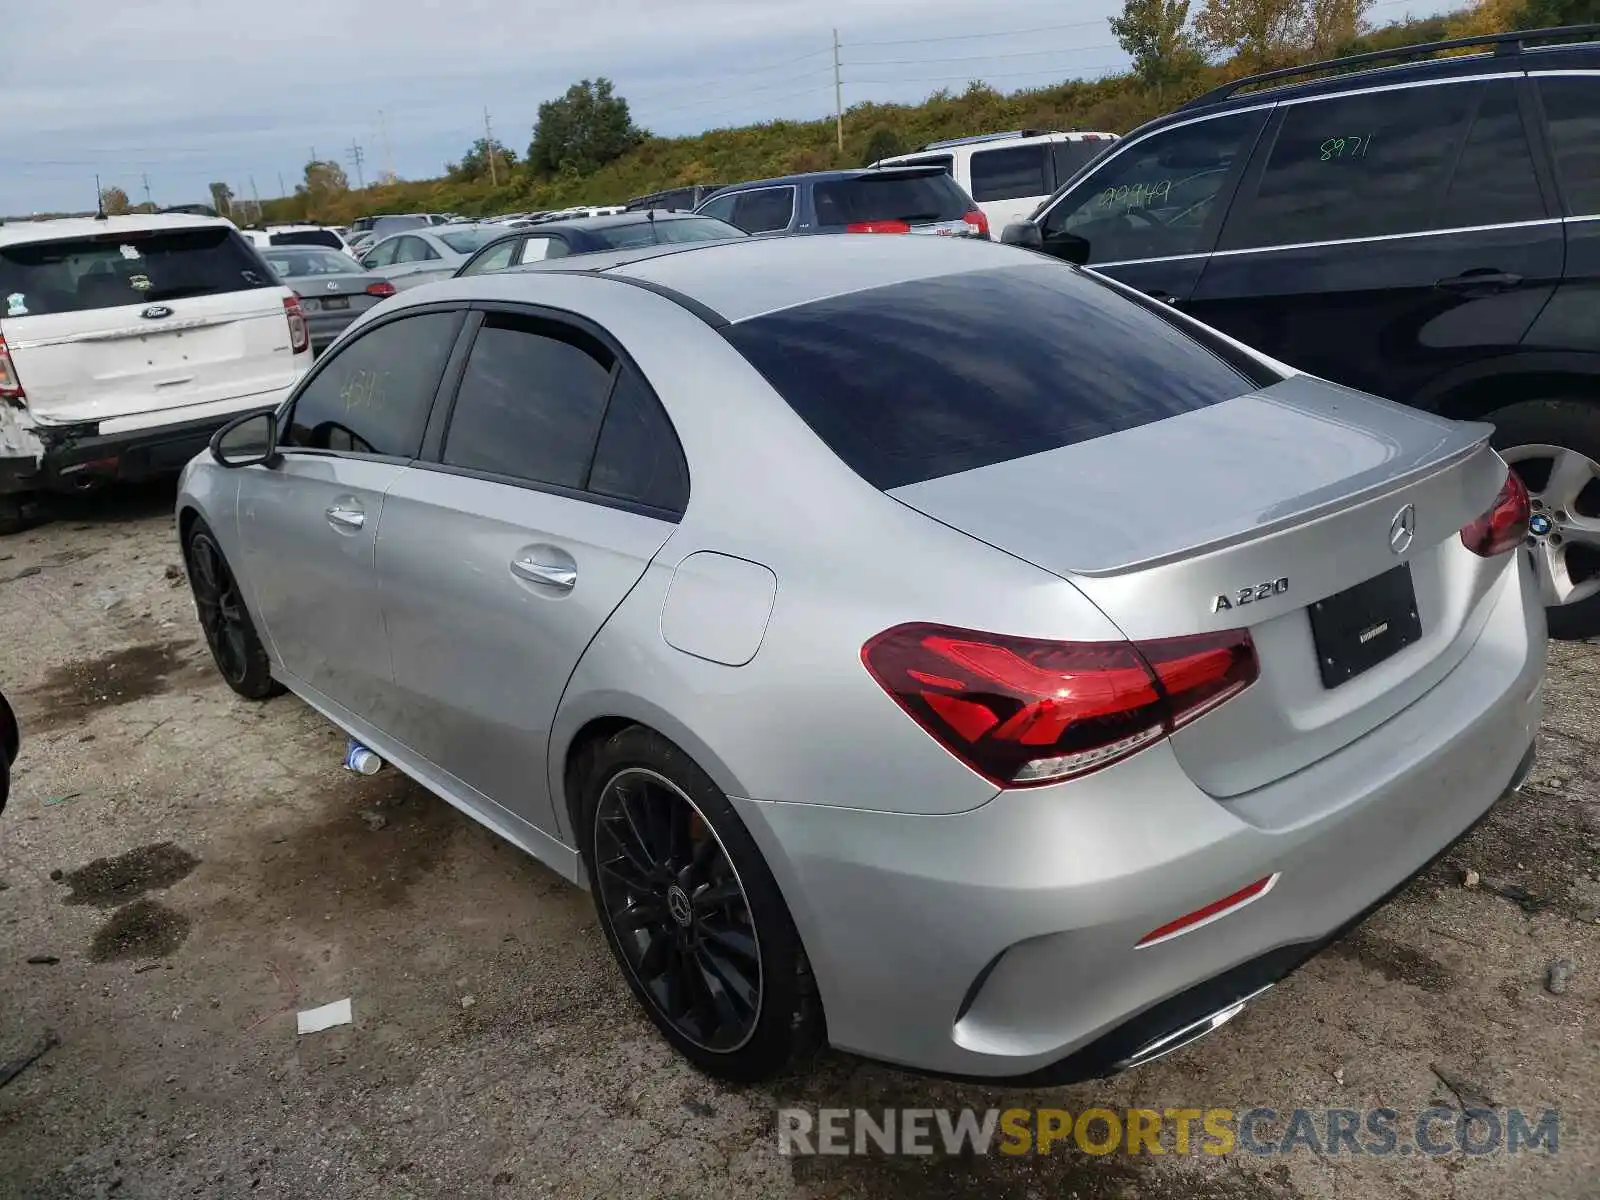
530,402
111,270
1494,179
765,210
889,197
1572,111
1356,166
720,207
930,378
1070,156
638,457
1012,172
374,396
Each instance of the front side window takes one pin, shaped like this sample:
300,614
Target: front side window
1572,114
1157,197
720,207
497,258
374,394
111,270
530,402
765,210
1357,166
382,255
1011,173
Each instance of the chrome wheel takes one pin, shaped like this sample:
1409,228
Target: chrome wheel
677,909
1564,530
220,607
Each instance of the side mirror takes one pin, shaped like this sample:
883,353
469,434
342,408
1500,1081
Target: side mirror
1023,233
247,441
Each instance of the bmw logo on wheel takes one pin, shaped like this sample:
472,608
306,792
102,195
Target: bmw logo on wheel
1538,524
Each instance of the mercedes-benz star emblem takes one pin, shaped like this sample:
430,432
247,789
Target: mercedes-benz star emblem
678,905
1402,529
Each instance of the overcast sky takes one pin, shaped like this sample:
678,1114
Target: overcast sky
187,91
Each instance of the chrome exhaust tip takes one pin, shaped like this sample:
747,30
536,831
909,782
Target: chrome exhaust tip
1186,1034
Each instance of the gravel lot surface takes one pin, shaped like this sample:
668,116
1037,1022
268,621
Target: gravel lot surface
192,869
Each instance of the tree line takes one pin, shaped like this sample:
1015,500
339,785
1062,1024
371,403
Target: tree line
586,148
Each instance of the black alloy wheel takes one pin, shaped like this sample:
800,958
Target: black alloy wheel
237,651
678,910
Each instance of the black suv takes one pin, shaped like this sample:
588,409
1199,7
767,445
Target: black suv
1428,231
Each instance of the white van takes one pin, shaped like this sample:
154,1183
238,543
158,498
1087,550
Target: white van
125,342
1008,174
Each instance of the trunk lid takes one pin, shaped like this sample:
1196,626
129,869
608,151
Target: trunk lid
133,322
1276,500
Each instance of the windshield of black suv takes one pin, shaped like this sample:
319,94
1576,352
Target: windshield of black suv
114,269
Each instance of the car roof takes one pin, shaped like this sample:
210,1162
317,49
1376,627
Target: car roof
1570,55
605,260
14,233
811,177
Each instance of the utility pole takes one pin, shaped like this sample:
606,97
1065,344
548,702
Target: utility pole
257,196
357,157
488,146
388,150
282,191
838,94
150,204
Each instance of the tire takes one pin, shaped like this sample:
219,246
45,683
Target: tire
240,657
640,788
1574,425
18,513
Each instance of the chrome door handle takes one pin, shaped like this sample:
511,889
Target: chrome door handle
548,574
346,518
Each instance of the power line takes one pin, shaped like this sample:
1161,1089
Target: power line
917,62
964,37
984,77
769,68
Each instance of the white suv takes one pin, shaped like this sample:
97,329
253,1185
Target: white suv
1008,174
125,342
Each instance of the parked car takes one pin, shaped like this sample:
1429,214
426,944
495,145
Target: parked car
333,288
1008,174
424,255
294,235
1426,232
126,341
10,744
891,200
683,199
388,224
810,599
559,239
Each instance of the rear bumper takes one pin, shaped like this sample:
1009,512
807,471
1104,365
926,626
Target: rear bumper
84,453
999,944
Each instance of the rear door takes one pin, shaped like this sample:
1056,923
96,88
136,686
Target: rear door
1386,238
1571,109
132,322
555,482
308,525
1150,213
416,262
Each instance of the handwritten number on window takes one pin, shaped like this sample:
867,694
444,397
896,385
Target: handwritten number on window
1350,146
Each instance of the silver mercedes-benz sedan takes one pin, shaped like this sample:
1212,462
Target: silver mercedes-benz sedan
919,646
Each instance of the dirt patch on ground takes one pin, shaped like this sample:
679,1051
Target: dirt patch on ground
108,882
1396,961
382,835
143,929
73,690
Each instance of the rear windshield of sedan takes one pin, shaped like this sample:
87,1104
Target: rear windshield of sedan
661,233
311,262
890,197
136,267
930,378
465,241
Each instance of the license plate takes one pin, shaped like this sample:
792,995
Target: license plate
332,302
1357,629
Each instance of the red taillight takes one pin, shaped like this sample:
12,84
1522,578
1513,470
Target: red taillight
382,288
10,385
1504,525
299,331
1023,712
879,227
1210,912
978,221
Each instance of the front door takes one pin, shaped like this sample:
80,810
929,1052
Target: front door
1150,214
308,526
501,562
1386,239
